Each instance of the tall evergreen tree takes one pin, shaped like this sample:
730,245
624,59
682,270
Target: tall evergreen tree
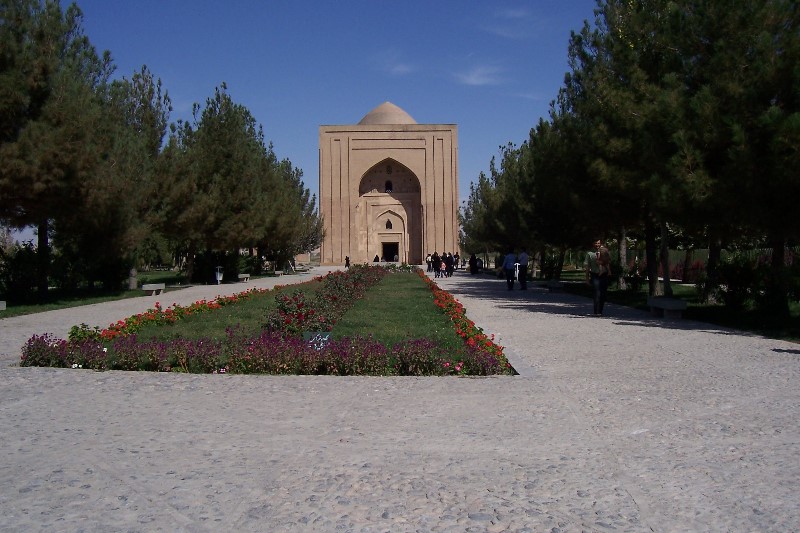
49,78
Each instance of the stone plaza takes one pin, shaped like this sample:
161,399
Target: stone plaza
619,423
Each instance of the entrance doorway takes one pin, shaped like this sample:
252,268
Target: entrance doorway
391,251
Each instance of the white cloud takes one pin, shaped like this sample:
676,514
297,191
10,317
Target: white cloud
399,69
519,13
481,75
392,62
511,23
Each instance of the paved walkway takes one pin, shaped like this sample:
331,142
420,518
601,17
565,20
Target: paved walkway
620,423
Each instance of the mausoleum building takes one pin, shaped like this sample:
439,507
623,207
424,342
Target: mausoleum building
388,187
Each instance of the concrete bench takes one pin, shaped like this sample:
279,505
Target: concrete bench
278,273
153,288
666,306
2,305
244,277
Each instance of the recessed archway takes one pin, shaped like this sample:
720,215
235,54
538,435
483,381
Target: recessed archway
389,177
390,195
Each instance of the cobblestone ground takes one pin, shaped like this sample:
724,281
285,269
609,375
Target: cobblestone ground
620,423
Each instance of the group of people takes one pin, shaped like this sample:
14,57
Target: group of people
515,267
597,267
443,265
475,264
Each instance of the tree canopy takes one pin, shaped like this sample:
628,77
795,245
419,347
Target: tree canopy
677,120
88,161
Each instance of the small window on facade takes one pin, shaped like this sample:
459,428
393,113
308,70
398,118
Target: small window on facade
388,186
388,224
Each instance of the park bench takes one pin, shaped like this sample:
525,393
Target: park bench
666,306
153,288
244,277
278,273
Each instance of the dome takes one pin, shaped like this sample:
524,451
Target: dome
387,113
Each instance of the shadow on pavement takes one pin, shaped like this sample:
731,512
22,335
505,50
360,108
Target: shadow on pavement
538,299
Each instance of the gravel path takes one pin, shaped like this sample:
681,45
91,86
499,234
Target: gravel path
619,423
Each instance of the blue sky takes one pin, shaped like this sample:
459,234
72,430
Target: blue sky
490,67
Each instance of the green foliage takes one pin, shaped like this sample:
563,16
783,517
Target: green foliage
674,116
737,275
240,350
338,292
206,263
18,271
295,313
73,144
51,79
83,332
225,189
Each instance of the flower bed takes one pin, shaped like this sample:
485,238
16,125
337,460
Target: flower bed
473,336
337,293
159,315
271,352
279,349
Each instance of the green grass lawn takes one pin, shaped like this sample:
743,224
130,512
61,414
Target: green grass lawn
398,308
248,315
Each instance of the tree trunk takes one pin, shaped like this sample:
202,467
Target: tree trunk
651,256
190,263
778,294
133,282
542,252
562,253
665,258
623,259
712,268
43,259
688,259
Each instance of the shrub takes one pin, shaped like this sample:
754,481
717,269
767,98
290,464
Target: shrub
18,268
738,274
357,356
45,350
418,358
270,353
296,314
338,292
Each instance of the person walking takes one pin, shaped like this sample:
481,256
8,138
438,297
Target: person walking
428,260
598,271
473,264
508,266
523,259
347,261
